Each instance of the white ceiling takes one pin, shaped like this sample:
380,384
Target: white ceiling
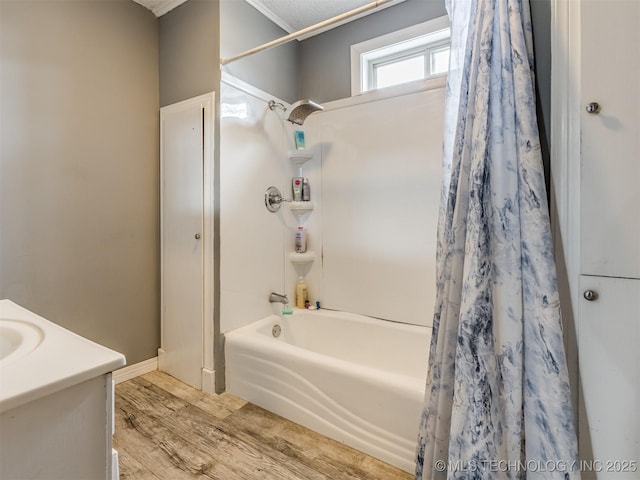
291,15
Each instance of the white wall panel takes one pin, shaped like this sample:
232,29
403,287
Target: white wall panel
381,164
253,157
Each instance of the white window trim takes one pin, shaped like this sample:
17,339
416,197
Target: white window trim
363,52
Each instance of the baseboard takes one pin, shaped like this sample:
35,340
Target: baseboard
162,359
135,370
208,381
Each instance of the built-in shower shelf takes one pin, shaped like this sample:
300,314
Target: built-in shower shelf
306,257
301,207
300,157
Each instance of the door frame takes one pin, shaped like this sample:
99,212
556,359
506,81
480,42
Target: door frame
565,174
207,103
565,138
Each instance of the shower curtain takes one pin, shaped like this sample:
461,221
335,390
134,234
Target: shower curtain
497,404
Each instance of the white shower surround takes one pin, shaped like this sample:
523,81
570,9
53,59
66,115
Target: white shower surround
374,178
381,174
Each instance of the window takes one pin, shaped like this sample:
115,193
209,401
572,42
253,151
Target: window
414,53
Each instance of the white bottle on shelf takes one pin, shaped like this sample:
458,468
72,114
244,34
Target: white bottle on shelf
301,240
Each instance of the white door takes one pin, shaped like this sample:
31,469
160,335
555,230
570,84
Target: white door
185,240
610,189
608,324
609,339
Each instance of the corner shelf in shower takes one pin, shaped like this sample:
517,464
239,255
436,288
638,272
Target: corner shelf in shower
300,157
306,257
300,207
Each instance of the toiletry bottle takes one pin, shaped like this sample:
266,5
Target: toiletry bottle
299,138
302,293
306,193
301,240
296,185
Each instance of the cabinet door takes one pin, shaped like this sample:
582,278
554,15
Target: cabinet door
609,351
610,184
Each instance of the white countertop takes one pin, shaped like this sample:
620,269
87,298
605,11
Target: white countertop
59,360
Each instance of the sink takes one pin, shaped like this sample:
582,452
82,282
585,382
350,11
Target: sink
17,339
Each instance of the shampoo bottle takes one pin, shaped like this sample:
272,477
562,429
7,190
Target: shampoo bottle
302,293
296,186
306,193
301,240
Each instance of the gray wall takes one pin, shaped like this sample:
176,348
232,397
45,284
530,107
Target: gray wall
325,60
79,168
189,51
274,70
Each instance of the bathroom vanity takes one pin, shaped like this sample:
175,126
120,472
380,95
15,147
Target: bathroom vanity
56,400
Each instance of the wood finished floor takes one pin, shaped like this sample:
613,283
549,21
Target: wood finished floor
166,430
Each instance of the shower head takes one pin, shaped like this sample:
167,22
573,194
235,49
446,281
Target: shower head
299,111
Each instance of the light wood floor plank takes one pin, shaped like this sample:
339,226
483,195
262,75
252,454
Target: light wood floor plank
145,450
131,469
148,398
184,457
220,406
214,438
245,456
332,458
170,431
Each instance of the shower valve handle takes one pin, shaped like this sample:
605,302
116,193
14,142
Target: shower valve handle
273,199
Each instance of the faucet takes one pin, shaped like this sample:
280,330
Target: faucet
276,297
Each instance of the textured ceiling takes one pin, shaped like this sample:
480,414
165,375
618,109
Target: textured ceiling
291,15
160,7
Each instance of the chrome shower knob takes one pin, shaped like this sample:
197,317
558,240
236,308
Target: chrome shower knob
273,199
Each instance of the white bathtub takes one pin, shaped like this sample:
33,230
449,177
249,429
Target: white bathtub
355,379
55,400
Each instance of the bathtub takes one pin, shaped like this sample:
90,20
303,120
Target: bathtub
352,378
55,400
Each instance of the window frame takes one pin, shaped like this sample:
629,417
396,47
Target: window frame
402,44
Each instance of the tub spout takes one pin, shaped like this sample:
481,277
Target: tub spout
276,297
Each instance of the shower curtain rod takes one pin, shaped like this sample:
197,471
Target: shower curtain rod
312,28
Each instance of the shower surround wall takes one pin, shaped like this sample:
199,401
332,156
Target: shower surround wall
252,158
380,194
374,185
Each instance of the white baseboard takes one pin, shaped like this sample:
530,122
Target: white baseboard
135,370
162,359
208,381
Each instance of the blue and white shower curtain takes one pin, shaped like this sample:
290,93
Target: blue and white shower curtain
497,404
